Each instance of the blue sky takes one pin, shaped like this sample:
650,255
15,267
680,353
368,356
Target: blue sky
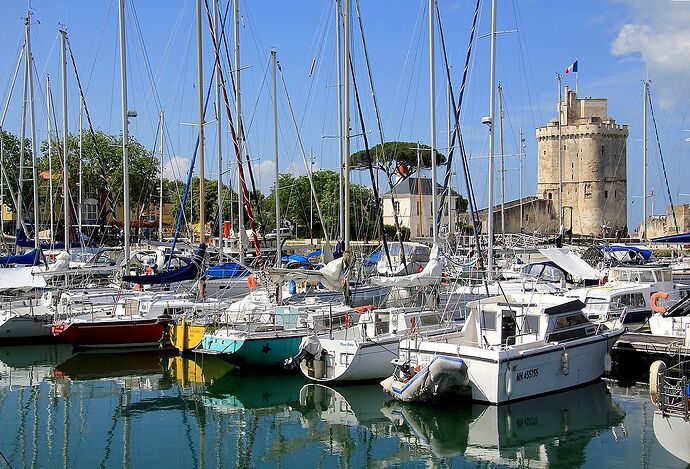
618,44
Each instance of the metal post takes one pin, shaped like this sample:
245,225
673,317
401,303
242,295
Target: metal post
81,190
341,206
503,165
160,194
346,122
240,131
34,141
200,96
492,108
522,155
219,133
275,155
65,159
50,162
432,104
645,89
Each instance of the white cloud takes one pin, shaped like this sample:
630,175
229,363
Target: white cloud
176,168
659,36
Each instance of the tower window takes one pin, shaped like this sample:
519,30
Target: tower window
549,195
606,194
545,152
603,150
563,147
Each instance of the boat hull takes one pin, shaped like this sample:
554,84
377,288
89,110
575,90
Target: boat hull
673,433
185,336
111,334
260,349
18,328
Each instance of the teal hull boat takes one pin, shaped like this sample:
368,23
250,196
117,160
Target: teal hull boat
256,348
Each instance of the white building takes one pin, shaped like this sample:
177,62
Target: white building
411,199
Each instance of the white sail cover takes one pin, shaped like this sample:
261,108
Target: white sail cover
431,274
571,263
20,278
331,275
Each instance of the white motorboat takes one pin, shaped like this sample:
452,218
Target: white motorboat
669,391
511,347
630,289
364,351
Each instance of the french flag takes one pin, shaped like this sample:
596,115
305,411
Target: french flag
572,68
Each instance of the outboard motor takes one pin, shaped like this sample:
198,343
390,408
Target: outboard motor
309,348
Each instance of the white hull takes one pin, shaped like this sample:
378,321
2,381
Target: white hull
673,433
508,375
24,326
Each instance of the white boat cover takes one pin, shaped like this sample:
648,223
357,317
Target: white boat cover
431,274
20,278
571,263
331,275
444,375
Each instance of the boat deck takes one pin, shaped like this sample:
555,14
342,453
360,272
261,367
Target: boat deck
651,344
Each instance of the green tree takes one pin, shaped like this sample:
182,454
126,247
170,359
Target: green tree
392,155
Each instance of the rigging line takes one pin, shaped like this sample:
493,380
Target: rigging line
100,41
663,165
304,156
379,125
456,133
92,134
238,156
468,180
374,185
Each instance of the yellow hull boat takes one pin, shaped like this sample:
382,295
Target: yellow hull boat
185,336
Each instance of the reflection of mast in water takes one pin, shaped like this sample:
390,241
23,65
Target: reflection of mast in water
125,433
66,394
35,394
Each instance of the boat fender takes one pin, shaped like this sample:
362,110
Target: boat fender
655,297
509,382
603,279
348,320
607,363
656,369
565,363
251,282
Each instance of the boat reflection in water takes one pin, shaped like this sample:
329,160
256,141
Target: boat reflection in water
29,365
540,432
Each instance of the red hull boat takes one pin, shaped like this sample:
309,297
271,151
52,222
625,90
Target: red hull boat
114,333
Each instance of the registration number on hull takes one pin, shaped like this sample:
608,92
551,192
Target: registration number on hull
527,374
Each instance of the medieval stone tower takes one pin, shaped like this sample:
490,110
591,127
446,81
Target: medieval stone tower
594,167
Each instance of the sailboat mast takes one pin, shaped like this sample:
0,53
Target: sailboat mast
240,132
160,193
432,103
50,161
65,159
219,131
346,122
22,132
81,190
503,163
200,96
32,116
521,156
125,132
645,90
492,133
341,206
275,155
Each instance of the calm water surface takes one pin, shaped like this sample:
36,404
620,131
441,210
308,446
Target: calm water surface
146,409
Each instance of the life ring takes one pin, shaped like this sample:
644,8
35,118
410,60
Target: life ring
655,297
603,279
251,282
137,287
148,270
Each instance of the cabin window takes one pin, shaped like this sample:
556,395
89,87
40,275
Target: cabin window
429,320
666,276
489,320
634,300
646,276
531,324
570,321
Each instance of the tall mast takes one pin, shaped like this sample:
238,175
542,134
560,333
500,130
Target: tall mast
65,159
492,109
81,190
645,89
125,130
219,130
560,153
503,164
160,193
341,206
34,142
346,122
200,95
50,161
240,131
22,132
521,156
275,155
432,103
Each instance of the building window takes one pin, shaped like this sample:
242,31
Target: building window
544,152
396,207
563,147
603,150
606,194
526,216
549,196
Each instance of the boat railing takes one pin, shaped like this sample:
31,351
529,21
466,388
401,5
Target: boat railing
673,393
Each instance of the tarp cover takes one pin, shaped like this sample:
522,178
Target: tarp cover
619,248
20,278
431,274
32,257
571,263
187,272
681,238
226,270
331,275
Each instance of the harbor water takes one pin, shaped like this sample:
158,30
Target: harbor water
151,409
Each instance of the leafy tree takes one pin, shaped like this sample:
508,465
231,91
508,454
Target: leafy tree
392,155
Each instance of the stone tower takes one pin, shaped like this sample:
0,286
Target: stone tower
594,167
